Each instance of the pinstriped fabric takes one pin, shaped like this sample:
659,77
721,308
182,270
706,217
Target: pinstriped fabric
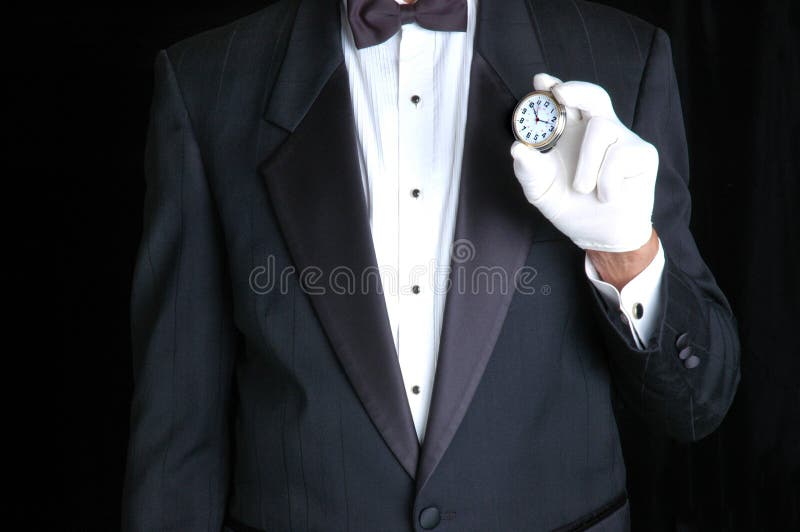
176,351
588,39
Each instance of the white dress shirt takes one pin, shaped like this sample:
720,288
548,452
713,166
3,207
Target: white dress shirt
409,97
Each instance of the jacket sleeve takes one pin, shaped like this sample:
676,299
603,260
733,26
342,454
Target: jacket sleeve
183,337
685,396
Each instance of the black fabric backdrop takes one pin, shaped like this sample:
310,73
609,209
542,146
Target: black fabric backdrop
82,150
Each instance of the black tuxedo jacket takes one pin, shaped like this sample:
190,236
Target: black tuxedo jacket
282,408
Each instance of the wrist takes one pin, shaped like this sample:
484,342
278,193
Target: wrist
618,268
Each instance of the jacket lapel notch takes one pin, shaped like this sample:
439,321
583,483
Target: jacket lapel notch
310,47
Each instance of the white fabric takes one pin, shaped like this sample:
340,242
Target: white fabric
597,185
403,147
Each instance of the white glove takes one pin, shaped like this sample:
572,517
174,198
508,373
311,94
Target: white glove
596,186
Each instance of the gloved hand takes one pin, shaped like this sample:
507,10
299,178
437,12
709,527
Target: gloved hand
596,186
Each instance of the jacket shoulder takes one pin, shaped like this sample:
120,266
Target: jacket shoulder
230,60
602,19
607,46
258,28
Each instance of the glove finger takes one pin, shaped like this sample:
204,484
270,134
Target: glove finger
535,171
611,176
628,167
544,81
600,134
591,99
518,149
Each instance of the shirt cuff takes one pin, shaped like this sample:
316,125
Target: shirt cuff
639,300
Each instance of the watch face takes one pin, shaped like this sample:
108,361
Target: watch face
538,120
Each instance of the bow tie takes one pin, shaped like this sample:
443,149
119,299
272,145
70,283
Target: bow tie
374,21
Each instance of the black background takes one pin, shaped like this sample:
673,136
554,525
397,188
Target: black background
81,80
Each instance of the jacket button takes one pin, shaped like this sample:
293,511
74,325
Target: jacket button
685,352
682,341
429,518
692,362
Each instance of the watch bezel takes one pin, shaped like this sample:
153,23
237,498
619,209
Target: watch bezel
561,123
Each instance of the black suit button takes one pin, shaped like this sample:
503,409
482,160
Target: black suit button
685,352
429,518
682,341
692,362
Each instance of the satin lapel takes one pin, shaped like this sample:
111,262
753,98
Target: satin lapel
314,184
495,224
